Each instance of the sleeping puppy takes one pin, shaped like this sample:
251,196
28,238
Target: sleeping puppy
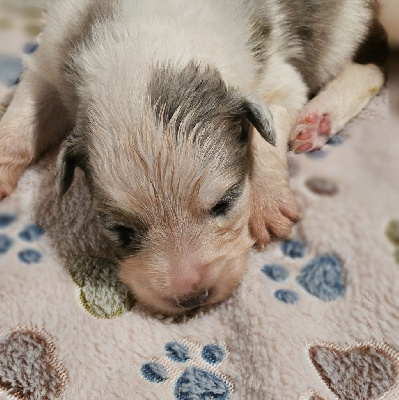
180,114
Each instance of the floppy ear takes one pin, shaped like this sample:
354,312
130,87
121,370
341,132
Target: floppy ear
259,115
68,159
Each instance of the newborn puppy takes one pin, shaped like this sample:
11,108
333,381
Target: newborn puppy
180,114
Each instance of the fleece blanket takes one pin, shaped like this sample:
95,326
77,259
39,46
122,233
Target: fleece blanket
316,317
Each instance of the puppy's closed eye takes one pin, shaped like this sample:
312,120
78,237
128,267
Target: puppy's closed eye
226,203
124,234
126,237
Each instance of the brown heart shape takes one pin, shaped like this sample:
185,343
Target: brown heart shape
29,369
362,372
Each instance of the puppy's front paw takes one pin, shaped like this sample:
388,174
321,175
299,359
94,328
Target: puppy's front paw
273,211
312,132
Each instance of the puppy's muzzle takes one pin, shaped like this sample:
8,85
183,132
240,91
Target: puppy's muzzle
192,300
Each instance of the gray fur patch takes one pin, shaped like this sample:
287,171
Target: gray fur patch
260,32
199,97
309,24
198,93
307,32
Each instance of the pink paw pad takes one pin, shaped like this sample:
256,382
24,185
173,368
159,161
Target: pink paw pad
311,132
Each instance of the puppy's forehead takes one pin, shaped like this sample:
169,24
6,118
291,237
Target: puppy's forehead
194,105
195,91
185,146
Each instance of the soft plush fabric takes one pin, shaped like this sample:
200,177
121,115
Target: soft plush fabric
316,317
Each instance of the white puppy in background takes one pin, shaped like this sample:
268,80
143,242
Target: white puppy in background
180,114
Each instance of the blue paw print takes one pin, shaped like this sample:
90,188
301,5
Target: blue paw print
317,154
6,219
335,140
31,233
190,370
286,296
11,67
321,277
5,244
30,47
30,256
10,70
293,248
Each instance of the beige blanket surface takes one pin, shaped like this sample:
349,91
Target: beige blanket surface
317,316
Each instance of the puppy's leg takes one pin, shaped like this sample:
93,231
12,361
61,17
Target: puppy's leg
345,96
340,101
33,122
273,206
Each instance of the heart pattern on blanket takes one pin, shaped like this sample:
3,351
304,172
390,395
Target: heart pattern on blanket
192,370
362,372
29,369
321,277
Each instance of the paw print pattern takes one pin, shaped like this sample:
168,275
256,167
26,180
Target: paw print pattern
335,140
29,256
321,277
11,67
6,220
286,296
5,244
10,70
191,371
276,273
30,47
31,233
317,154
293,248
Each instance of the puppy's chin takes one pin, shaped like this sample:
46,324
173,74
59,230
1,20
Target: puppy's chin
149,290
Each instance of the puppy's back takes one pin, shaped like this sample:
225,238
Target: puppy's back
317,36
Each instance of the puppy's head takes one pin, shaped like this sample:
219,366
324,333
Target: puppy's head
170,183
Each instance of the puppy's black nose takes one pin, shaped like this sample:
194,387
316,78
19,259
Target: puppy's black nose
192,300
